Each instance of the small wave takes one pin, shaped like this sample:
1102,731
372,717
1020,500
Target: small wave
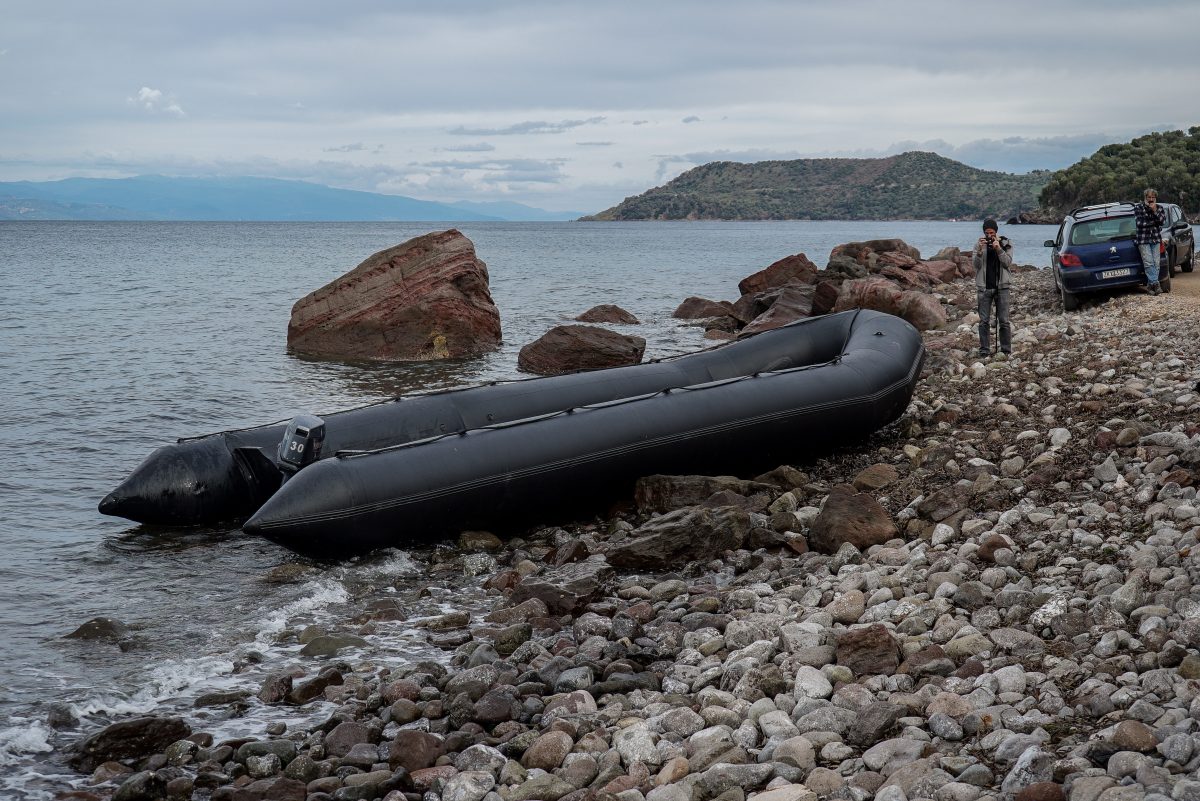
388,564
324,593
18,741
160,684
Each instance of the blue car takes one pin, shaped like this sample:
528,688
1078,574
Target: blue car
1094,251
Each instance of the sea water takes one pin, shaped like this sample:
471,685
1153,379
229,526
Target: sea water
116,338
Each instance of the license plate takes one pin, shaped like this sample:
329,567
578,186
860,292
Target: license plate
1116,273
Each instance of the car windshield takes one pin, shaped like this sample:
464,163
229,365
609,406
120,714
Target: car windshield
1105,230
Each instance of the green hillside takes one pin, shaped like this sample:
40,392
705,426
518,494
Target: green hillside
913,185
1168,161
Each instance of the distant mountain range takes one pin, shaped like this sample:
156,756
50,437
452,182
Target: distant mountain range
155,197
911,185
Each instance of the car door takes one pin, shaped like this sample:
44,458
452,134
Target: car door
1184,237
1056,246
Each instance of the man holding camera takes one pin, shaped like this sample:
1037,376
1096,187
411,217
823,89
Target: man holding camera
993,277
1150,218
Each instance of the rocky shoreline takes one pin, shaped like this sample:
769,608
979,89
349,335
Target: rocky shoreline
994,597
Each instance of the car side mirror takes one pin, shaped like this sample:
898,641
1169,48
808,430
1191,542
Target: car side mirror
1181,225
1049,243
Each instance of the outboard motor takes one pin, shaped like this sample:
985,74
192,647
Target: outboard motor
301,445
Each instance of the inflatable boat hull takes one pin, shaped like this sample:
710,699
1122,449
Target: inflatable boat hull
858,374
229,475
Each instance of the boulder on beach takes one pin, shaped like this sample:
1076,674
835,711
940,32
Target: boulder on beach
670,540
876,293
568,348
942,271
921,309
788,304
607,313
825,295
427,298
566,589
795,269
853,517
867,253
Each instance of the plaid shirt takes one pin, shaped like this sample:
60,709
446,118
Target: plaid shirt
1149,224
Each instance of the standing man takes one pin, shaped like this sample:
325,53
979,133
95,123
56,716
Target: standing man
993,277
1150,218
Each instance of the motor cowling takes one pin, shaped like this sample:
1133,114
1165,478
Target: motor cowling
301,444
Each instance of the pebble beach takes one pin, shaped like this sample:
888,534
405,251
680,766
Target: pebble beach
994,597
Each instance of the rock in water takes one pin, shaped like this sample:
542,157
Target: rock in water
567,348
128,739
427,298
607,313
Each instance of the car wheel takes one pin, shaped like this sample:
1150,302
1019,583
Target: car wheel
1188,265
1171,264
1070,301
1164,284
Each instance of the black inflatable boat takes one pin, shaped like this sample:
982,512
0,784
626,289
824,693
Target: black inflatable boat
427,465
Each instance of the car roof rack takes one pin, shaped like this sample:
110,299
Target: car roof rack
1100,207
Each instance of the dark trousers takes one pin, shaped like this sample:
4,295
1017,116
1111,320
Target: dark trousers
999,297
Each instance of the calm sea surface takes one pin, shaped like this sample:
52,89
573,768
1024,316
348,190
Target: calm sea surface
116,338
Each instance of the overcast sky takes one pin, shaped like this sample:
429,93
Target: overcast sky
574,105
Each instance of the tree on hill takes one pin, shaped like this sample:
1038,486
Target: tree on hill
1168,161
911,185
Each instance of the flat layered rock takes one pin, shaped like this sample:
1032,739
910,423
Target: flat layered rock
427,298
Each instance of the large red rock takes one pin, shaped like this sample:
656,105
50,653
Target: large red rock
921,309
788,270
791,303
906,279
943,271
568,348
875,293
895,258
427,298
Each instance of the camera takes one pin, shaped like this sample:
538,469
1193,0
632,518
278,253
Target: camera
991,240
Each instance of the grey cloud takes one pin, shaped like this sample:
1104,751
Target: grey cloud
640,122
478,147
356,147
595,144
527,127
506,170
692,118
